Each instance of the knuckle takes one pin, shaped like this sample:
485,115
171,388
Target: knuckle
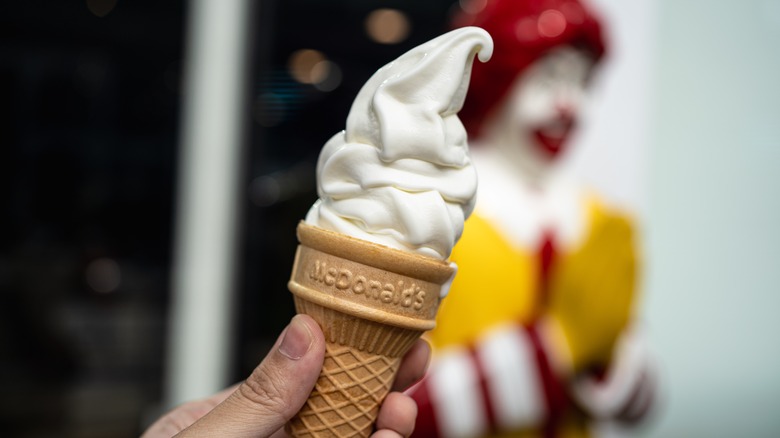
264,389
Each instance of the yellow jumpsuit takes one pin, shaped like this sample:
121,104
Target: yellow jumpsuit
589,292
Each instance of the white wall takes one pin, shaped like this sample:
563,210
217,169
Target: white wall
611,150
685,129
713,289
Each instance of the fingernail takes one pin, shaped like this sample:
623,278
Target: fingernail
297,339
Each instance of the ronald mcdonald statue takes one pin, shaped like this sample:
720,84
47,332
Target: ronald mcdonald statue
537,336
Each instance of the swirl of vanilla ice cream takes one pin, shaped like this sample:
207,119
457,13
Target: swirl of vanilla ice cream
400,174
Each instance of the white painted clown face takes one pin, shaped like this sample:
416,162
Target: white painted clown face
540,112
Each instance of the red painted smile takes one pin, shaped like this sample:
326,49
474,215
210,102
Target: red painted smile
551,137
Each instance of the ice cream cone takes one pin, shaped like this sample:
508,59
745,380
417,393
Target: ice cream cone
372,303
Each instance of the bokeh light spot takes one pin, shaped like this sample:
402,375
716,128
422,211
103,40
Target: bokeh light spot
264,191
101,8
573,12
387,26
103,275
332,76
472,6
319,72
551,23
526,30
301,65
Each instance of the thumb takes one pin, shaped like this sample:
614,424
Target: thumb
276,390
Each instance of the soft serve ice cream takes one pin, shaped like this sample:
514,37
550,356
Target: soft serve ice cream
400,175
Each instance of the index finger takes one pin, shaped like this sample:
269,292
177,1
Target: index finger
413,366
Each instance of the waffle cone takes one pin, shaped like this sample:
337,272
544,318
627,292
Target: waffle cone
372,303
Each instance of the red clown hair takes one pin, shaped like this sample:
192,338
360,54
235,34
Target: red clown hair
523,31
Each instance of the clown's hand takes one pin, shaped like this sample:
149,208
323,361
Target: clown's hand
627,392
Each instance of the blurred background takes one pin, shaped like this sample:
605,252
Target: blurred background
98,108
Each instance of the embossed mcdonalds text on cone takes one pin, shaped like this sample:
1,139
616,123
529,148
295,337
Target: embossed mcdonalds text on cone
372,302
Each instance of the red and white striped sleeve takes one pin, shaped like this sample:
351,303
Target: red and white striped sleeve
503,383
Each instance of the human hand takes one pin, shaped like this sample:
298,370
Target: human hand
277,389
